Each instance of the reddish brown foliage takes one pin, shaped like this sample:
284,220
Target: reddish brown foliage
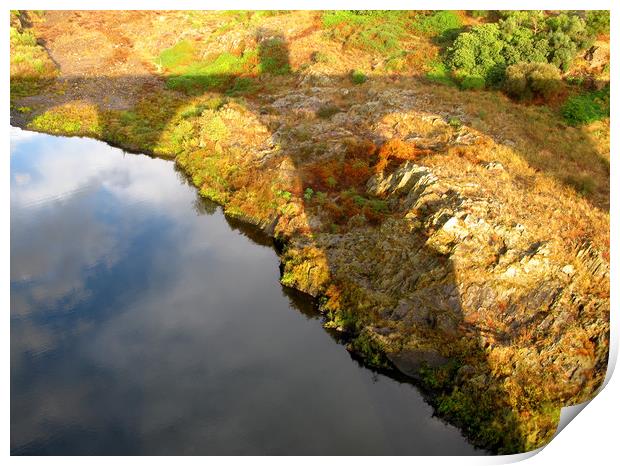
373,217
322,176
466,152
360,149
336,213
397,149
356,173
296,187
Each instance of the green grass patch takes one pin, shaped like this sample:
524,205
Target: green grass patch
213,127
357,77
444,25
25,38
472,83
440,73
384,31
273,57
243,86
320,57
64,122
31,68
216,73
195,110
186,72
176,56
586,108
373,31
583,184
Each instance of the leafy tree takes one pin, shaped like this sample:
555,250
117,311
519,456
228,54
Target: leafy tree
561,50
478,13
521,43
519,36
567,35
597,22
530,19
573,26
478,53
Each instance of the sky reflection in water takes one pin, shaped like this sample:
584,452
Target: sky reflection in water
142,322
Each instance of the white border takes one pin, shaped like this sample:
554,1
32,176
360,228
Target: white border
589,439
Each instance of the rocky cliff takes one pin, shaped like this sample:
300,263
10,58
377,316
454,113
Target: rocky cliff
441,231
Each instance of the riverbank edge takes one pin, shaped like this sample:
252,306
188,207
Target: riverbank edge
359,343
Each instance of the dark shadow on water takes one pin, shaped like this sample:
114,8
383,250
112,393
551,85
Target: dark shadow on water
275,65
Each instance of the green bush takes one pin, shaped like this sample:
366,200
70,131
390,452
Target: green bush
357,77
519,36
586,108
597,22
439,73
471,82
455,122
479,13
320,57
528,80
327,111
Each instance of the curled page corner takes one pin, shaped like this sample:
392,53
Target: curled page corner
516,458
568,413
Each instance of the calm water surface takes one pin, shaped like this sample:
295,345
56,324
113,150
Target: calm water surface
143,322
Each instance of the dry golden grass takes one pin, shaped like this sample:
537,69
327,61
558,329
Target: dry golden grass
304,176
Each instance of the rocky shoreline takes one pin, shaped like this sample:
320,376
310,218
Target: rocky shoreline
437,244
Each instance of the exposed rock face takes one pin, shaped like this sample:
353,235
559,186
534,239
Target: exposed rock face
480,274
408,177
454,288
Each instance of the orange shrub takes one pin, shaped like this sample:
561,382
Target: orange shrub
397,149
349,207
322,176
360,149
467,152
355,173
374,217
335,213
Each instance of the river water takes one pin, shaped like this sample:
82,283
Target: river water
144,322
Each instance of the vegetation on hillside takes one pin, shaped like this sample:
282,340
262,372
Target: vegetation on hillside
526,53
587,107
31,67
519,36
288,131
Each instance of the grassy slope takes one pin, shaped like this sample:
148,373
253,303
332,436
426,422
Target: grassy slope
224,112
